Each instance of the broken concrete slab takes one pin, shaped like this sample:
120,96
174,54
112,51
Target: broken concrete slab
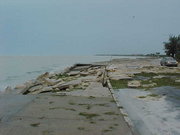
134,84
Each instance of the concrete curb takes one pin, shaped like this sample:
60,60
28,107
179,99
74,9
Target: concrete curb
124,113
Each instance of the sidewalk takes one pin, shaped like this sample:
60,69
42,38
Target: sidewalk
49,114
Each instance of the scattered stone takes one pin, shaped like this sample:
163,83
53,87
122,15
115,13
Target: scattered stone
120,77
35,88
159,77
63,86
73,73
45,75
134,84
99,73
177,81
31,87
84,73
149,85
20,87
51,82
43,90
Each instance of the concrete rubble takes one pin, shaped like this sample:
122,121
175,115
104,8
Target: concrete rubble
73,78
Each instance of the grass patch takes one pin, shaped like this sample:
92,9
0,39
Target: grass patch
88,115
72,103
35,124
81,128
165,82
88,107
91,97
111,127
113,101
62,76
116,124
153,95
142,96
69,109
120,107
51,102
102,104
92,122
110,113
106,130
119,84
168,80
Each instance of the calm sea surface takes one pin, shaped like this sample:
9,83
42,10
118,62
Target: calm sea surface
18,69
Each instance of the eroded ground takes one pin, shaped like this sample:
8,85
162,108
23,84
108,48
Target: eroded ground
149,94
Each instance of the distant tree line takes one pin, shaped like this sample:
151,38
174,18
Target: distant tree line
172,47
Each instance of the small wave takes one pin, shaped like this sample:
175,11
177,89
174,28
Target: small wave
32,72
11,78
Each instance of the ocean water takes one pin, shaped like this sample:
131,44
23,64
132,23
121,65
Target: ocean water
19,69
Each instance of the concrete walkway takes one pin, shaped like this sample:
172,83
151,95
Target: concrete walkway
90,111
50,114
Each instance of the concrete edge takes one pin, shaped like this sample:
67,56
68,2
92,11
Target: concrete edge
124,113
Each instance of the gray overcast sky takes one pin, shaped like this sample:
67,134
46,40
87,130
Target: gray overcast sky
85,27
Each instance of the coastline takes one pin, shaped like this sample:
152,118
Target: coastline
93,83
90,109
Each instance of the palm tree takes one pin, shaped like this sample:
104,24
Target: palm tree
172,47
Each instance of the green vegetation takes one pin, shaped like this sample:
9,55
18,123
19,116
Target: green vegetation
106,130
111,113
102,104
172,47
69,109
35,124
153,95
119,84
120,107
142,96
116,124
111,127
62,76
92,122
72,103
112,101
88,115
81,128
167,80
91,97
88,107
51,102
144,74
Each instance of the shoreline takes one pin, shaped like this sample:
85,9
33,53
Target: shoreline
96,81
90,109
